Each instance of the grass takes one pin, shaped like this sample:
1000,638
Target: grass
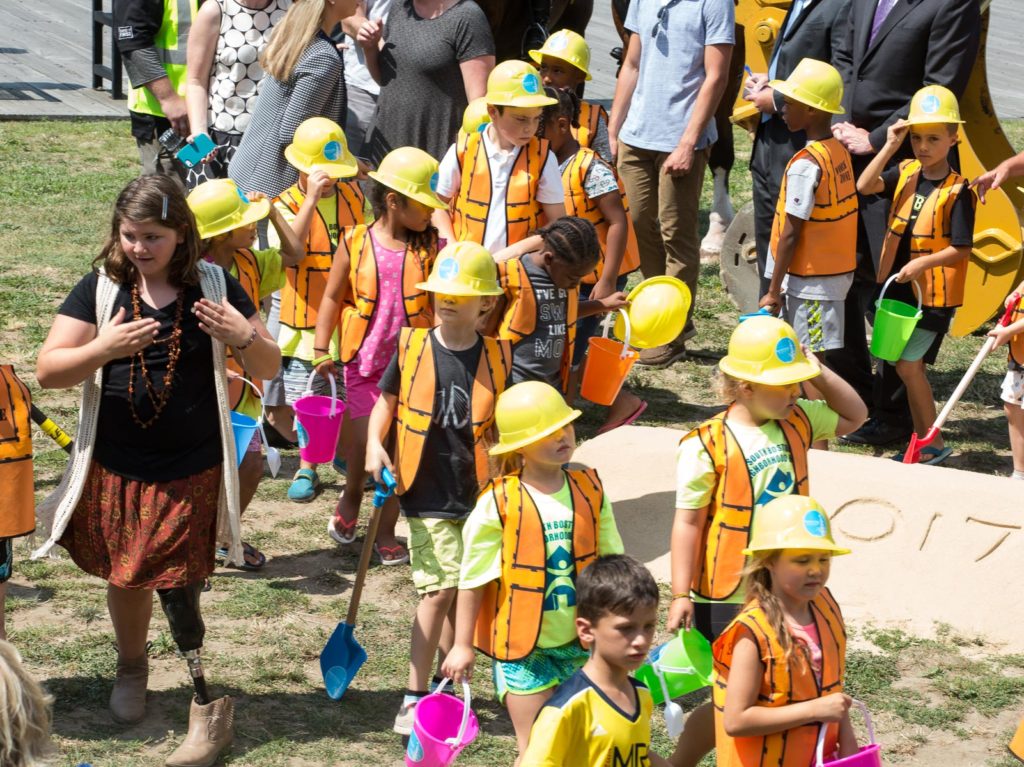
265,632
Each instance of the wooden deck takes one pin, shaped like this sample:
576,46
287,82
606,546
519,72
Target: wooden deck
46,58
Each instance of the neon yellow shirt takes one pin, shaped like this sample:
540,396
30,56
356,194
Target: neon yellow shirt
271,270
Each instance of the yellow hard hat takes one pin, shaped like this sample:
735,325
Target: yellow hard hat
527,413
792,522
463,269
320,144
765,350
412,172
567,46
814,83
475,118
515,83
220,206
657,311
934,104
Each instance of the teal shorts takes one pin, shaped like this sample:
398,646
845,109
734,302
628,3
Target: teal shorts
544,668
918,345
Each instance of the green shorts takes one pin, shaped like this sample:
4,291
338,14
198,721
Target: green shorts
435,551
544,668
918,345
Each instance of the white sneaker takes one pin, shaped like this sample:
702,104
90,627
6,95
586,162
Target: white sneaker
404,719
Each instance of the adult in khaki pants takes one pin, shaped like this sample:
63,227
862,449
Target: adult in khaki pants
661,127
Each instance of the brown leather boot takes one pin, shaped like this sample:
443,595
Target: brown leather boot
128,698
211,728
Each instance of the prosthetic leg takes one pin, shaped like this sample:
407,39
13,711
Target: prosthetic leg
210,723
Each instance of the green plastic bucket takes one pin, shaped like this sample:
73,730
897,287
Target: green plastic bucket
685,662
894,323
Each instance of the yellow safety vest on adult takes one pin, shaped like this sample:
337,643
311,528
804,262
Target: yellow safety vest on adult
170,43
18,509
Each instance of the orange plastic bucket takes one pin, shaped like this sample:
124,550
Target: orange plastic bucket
608,363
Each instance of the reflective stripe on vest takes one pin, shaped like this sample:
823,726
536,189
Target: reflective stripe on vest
828,239
784,682
523,213
416,400
18,517
361,297
520,318
512,607
943,285
589,119
169,43
247,271
727,528
306,282
577,203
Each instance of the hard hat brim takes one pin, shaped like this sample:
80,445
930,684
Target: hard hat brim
523,102
786,89
457,289
932,120
508,447
834,549
431,200
636,339
538,55
346,167
257,211
782,376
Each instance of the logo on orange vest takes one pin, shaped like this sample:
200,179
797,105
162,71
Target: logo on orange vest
815,523
530,83
448,269
332,150
785,350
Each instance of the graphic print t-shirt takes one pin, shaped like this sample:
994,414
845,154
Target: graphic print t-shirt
538,357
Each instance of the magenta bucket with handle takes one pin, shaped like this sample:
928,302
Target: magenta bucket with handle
868,756
442,726
318,423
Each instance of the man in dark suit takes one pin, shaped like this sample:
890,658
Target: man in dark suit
812,29
891,50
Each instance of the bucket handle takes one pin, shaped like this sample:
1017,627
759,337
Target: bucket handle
820,751
466,709
334,390
629,331
656,667
271,451
917,289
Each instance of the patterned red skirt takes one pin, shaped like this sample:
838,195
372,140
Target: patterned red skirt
145,535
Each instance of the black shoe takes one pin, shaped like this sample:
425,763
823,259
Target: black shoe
878,433
276,439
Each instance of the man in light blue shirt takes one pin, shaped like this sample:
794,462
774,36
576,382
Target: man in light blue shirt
661,126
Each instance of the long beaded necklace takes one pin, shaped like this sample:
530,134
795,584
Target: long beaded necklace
173,341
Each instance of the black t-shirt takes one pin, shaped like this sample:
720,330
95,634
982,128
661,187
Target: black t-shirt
185,439
961,234
446,486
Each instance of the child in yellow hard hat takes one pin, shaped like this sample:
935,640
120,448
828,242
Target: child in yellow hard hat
813,248
226,219
530,535
26,716
327,173
371,295
439,391
928,242
504,182
17,516
564,63
1012,390
780,665
601,716
733,464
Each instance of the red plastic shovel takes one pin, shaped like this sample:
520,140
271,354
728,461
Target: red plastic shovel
913,452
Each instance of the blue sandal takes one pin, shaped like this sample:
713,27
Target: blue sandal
930,456
304,487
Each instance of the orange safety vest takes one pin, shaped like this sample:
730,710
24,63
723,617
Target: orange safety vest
416,400
361,298
523,213
512,607
943,285
727,529
577,203
1017,744
520,318
19,510
306,281
590,118
250,277
828,239
784,683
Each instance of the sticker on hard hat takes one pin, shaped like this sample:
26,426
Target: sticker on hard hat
332,150
930,104
243,196
558,42
433,182
785,350
815,523
530,83
448,269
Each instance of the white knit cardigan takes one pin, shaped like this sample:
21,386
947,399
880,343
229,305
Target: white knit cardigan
61,503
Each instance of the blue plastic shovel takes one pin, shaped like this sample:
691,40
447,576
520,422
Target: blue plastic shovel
343,656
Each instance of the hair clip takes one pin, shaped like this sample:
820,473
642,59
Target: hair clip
163,212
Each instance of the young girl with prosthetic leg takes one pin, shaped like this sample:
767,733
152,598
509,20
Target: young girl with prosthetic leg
153,484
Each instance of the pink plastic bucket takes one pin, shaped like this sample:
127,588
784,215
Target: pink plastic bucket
442,727
318,423
868,756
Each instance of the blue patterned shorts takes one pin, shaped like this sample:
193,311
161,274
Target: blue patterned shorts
542,669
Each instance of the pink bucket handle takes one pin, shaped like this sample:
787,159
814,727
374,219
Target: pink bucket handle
625,341
820,751
334,390
467,709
